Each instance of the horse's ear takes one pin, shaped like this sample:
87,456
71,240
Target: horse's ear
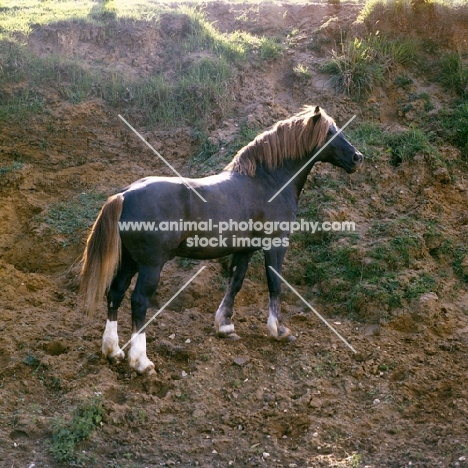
317,114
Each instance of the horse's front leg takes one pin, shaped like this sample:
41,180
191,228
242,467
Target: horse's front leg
274,257
147,282
110,339
223,324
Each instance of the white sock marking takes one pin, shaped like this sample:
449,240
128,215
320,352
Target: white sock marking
137,355
110,341
272,325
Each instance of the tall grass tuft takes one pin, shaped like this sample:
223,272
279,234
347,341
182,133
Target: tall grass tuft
454,73
365,63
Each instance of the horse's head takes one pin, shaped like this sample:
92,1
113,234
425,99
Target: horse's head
338,151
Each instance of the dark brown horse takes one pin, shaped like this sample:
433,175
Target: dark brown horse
125,238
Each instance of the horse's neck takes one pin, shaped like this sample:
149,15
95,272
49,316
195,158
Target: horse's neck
294,173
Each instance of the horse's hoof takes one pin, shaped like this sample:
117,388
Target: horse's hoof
284,334
143,367
233,337
146,370
117,357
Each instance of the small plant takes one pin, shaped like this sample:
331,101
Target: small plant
302,72
422,284
269,49
66,435
403,81
355,460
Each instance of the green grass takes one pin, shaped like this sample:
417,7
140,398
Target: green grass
66,435
453,73
356,276
70,219
363,64
456,253
454,123
202,62
354,70
405,145
368,138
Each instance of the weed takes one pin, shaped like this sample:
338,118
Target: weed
355,460
66,435
302,72
269,49
23,103
403,81
459,254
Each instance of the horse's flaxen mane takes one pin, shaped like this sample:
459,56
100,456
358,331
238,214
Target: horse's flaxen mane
288,139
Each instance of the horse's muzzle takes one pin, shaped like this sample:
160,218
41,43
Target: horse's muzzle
357,160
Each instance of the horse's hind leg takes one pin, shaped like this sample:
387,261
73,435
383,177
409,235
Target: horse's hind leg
148,279
274,258
237,270
110,340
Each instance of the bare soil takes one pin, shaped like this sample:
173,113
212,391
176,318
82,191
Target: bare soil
400,401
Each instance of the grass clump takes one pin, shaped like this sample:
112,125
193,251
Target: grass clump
71,218
405,145
355,70
66,435
453,74
365,63
454,122
234,47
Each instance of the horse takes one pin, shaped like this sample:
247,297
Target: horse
261,184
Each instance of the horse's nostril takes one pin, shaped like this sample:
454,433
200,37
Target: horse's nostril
357,158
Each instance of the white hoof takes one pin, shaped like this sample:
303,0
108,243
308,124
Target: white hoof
137,358
225,330
116,356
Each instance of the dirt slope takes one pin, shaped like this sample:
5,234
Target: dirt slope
401,401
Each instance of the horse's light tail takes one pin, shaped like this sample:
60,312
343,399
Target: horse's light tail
102,254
